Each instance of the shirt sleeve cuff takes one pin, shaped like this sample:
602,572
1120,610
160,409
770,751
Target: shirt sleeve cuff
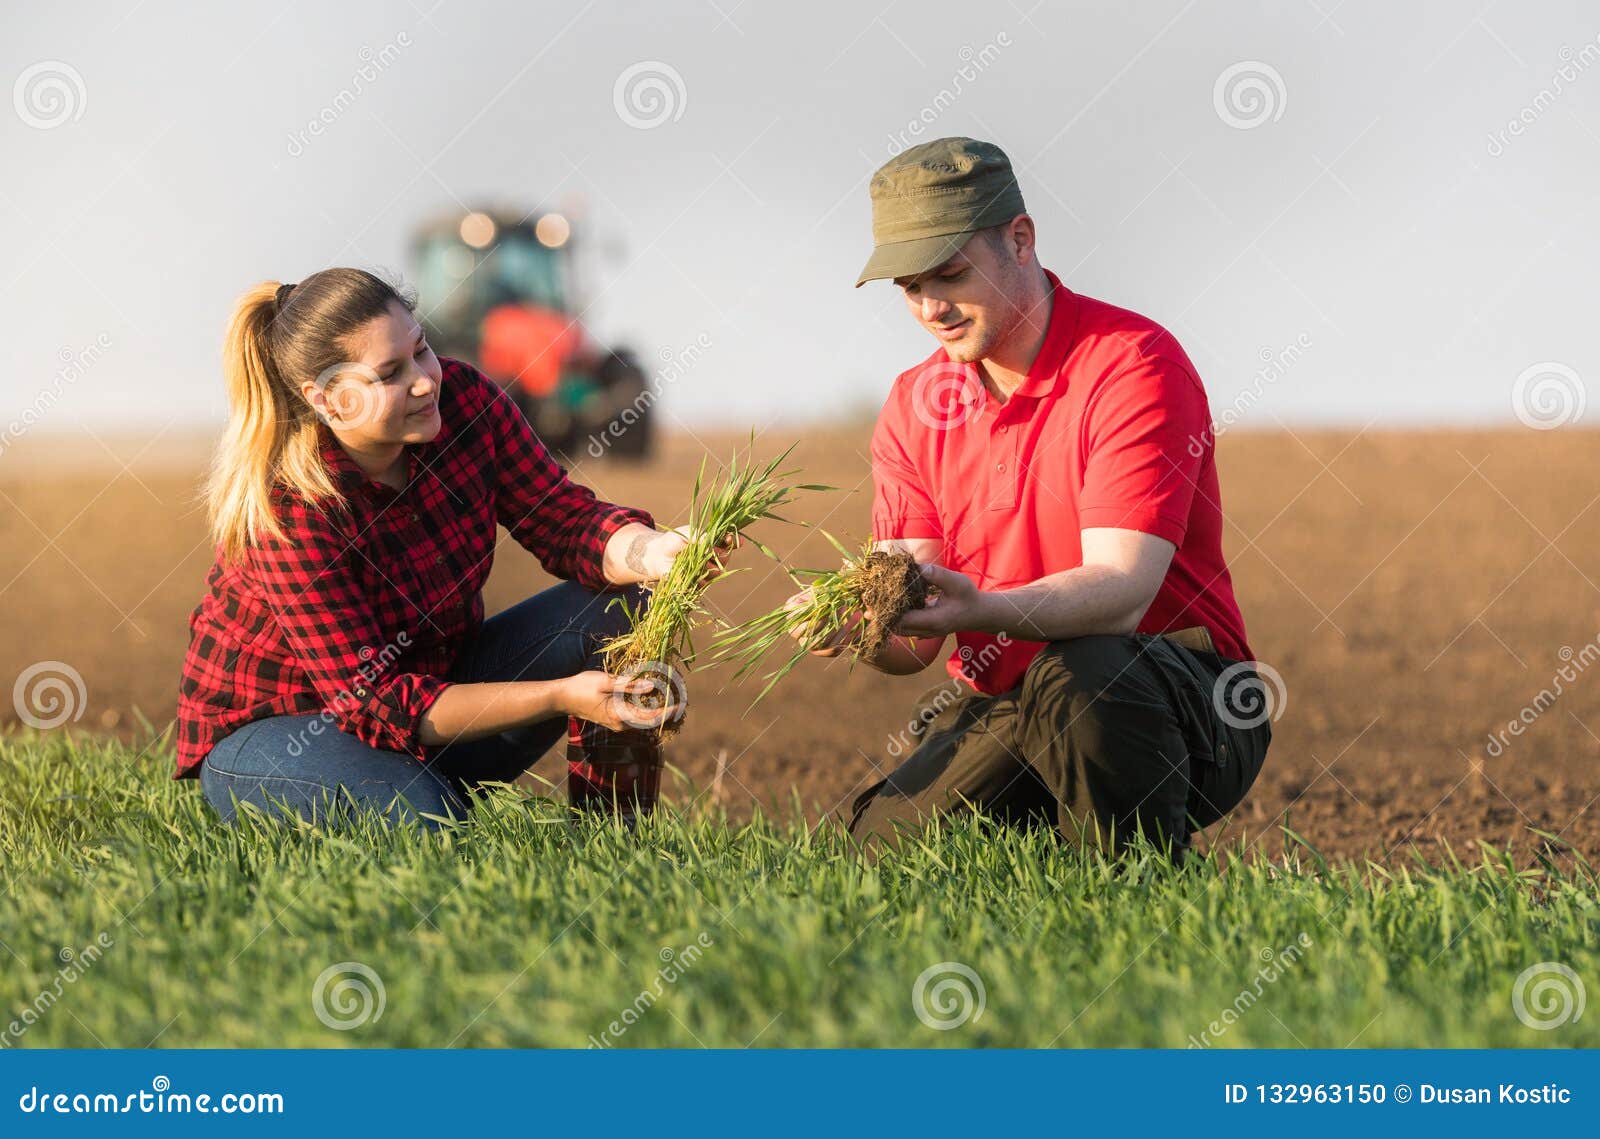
591,574
906,526
1144,521
395,713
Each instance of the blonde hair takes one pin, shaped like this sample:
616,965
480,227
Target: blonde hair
280,335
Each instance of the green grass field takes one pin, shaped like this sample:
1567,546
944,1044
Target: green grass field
524,929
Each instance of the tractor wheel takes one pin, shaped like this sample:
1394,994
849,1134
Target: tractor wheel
629,426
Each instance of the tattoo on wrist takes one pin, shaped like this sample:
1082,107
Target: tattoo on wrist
634,558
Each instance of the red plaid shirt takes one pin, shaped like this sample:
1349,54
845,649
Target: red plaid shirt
363,613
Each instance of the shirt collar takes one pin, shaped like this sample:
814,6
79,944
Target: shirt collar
1047,376
346,474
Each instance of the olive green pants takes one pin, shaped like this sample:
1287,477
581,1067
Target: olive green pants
1105,737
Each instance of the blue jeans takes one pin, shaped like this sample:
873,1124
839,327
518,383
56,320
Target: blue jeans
304,762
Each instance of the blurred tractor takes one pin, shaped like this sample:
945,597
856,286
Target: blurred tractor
497,290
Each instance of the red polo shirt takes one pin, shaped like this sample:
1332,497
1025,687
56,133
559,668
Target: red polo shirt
1110,428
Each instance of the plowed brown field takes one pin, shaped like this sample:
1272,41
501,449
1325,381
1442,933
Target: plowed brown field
1416,591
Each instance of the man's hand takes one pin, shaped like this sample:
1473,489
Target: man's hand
1109,593
959,607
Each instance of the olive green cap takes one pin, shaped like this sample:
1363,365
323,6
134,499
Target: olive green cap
929,201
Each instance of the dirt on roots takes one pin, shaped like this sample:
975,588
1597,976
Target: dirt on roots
891,587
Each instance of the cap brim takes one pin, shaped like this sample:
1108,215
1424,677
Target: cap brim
908,258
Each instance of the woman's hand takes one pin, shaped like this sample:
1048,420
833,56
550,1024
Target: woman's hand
616,702
648,554
674,542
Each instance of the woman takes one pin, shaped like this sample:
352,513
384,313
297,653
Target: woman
340,654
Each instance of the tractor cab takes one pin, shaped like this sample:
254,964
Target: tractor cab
496,288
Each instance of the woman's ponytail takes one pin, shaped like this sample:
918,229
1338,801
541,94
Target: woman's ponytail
277,335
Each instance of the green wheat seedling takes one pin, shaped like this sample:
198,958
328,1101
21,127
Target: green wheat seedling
886,584
746,492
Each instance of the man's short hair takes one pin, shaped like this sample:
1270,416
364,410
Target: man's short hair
995,235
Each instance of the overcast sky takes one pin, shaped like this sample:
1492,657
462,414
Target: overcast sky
1345,178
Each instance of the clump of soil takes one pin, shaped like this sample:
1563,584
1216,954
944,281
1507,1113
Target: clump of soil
891,586
666,680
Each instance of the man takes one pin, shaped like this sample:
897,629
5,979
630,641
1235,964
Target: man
1051,468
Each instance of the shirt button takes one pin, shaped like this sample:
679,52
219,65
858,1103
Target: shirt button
1001,467
1002,429
439,561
